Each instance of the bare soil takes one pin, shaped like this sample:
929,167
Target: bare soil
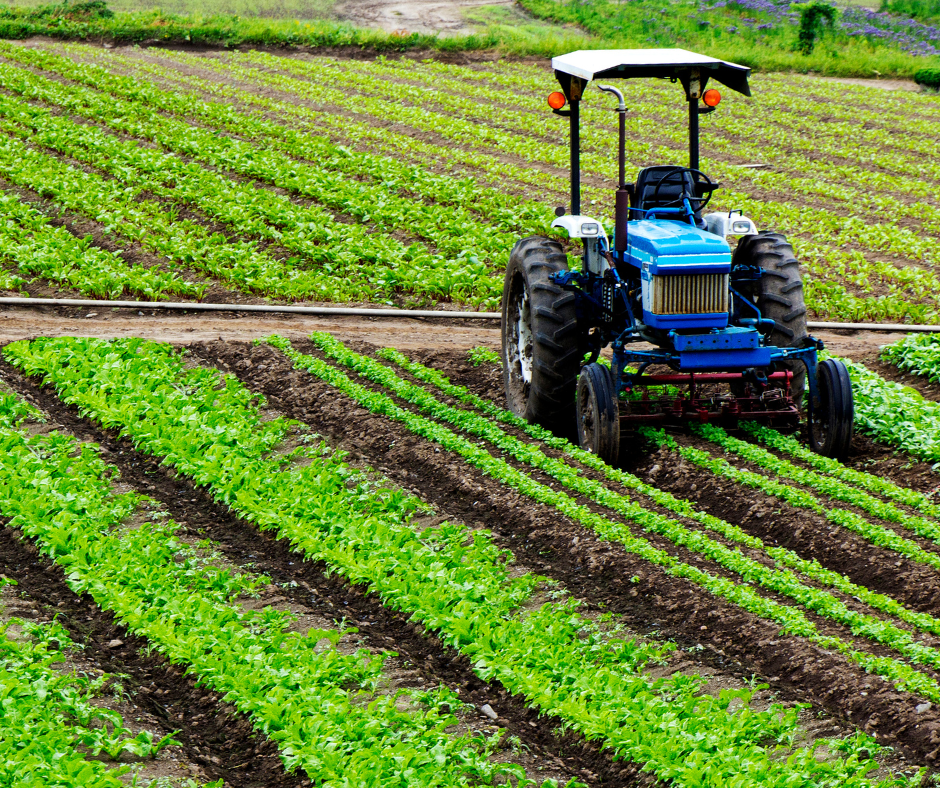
413,16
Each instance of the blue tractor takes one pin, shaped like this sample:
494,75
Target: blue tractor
698,332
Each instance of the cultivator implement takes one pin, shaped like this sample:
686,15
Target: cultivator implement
704,398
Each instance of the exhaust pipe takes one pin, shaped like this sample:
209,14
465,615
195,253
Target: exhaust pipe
622,199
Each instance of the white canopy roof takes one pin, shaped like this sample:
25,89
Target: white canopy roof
591,64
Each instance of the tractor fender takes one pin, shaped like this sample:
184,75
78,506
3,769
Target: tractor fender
724,224
581,227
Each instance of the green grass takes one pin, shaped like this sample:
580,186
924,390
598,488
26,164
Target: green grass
541,28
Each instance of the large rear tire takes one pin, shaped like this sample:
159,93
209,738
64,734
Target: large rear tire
831,421
779,296
542,346
598,413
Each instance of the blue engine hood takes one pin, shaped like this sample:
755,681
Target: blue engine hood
661,246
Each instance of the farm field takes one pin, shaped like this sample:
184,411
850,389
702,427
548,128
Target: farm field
290,551
249,176
611,620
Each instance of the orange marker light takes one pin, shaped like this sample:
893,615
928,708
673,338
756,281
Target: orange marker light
556,100
711,97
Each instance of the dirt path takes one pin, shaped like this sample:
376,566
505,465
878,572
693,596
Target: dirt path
405,334
413,16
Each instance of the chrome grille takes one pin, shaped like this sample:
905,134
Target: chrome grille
690,294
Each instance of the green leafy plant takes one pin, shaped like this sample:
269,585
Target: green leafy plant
814,17
453,581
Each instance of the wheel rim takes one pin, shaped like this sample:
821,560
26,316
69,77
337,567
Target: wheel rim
587,418
819,423
520,339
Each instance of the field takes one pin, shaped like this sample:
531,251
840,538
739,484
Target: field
293,557
247,175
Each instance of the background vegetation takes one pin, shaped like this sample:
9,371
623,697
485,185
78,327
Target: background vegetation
899,41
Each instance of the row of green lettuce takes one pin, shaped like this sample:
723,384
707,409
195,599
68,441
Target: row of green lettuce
866,57
895,414
918,354
315,698
450,254
452,580
440,248
52,719
732,559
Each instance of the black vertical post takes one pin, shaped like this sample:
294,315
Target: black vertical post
693,133
622,197
575,157
621,153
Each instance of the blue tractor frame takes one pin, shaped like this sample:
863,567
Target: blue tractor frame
668,278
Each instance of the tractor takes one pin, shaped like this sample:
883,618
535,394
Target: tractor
698,332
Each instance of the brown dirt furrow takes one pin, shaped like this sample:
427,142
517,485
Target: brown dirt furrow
213,735
309,584
603,573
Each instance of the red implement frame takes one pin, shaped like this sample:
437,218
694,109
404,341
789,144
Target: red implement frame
774,404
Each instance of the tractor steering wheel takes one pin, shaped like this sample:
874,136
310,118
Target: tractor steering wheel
707,183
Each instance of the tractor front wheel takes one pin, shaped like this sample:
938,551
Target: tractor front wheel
542,345
598,413
831,419
778,296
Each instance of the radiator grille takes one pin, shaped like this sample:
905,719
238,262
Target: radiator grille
690,294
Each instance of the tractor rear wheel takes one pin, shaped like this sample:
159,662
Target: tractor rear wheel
831,421
779,296
543,345
598,413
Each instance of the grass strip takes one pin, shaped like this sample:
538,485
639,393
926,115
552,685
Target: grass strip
454,581
316,702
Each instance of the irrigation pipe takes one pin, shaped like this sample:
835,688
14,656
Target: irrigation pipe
199,307
330,311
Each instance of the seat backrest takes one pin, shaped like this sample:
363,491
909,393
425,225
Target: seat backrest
673,187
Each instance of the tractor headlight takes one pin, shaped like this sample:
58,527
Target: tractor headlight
590,229
740,228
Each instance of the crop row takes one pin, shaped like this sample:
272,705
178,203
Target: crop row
311,233
822,484
464,277
859,479
469,118
838,262
389,176
683,508
30,243
51,722
656,114
793,620
895,414
918,354
780,581
454,581
303,692
827,260
462,244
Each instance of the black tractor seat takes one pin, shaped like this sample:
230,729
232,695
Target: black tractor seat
674,183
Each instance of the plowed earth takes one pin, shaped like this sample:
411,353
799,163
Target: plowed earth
719,635
716,638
